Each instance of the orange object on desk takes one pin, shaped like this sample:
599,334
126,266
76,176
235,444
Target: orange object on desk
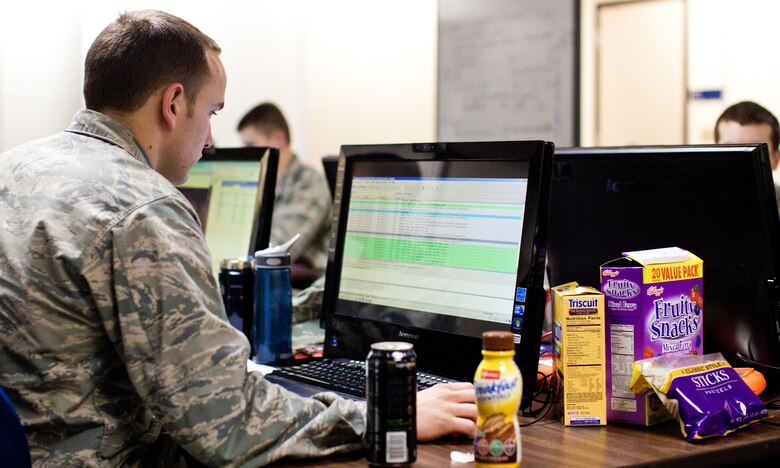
308,352
543,372
753,378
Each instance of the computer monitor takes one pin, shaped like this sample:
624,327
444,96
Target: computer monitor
716,201
434,244
233,190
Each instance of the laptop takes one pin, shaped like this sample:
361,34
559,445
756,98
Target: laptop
433,244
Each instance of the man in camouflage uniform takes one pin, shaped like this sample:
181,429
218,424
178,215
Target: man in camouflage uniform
303,199
114,345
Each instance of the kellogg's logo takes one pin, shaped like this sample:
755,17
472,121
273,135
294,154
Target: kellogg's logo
610,273
655,291
621,288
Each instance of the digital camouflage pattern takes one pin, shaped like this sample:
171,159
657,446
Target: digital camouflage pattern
302,206
307,303
113,335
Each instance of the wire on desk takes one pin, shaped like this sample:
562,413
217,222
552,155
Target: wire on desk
544,395
772,402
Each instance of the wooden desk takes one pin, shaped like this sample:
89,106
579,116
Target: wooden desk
548,443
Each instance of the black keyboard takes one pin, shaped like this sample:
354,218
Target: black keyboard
342,375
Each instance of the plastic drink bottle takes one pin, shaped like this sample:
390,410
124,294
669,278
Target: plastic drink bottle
499,388
272,332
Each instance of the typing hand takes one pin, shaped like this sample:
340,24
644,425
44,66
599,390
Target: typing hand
445,409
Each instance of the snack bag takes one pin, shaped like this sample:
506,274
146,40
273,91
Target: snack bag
705,393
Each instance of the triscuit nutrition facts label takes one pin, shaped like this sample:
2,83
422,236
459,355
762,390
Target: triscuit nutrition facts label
584,345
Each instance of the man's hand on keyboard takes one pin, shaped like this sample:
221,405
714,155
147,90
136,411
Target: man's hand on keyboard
446,408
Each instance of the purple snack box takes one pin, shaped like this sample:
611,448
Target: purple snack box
653,307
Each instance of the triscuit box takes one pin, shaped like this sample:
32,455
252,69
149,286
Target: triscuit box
580,372
654,306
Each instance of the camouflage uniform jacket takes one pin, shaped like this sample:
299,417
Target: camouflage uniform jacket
112,330
302,206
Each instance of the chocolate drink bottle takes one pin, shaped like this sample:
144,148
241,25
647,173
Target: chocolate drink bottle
499,387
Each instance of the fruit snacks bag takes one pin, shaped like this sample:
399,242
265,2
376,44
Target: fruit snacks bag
704,392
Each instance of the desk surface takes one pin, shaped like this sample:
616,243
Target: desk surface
549,443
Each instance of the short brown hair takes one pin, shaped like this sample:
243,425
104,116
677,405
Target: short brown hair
266,118
750,113
139,53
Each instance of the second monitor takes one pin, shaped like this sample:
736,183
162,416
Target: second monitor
233,190
716,201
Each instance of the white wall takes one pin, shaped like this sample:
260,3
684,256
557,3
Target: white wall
39,88
343,71
347,71
370,75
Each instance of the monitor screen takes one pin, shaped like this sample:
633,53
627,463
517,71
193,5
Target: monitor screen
715,201
232,190
421,247
437,243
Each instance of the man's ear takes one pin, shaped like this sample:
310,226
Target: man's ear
278,138
173,105
774,158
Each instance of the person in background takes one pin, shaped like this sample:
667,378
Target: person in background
303,200
748,122
114,344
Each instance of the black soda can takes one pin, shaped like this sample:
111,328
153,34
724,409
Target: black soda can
391,395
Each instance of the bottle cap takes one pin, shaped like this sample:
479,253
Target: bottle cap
237,264
275,257
498,341
278,250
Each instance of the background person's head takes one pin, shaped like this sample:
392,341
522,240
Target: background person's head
162,78
264,125
748,122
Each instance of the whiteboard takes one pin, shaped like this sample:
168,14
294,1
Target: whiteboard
508,70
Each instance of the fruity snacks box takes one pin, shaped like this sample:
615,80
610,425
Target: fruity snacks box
654,306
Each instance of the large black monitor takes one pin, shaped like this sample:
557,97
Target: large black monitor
233,190
435,243
716,201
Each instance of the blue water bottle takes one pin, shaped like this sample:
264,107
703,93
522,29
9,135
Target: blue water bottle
272,331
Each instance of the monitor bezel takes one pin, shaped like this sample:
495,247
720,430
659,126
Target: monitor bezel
463,352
